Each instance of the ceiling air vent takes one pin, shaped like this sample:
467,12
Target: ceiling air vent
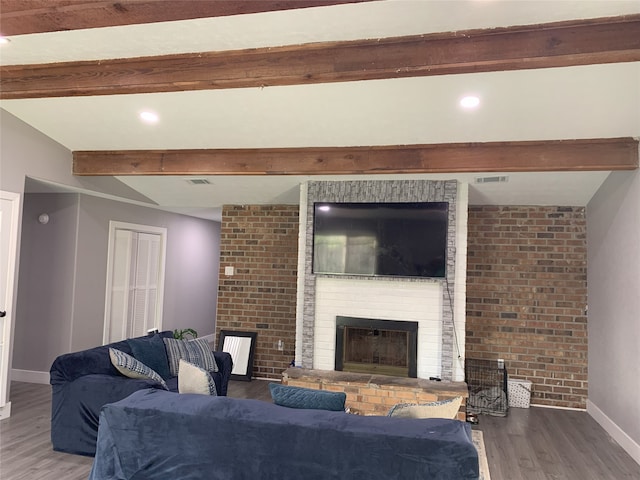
494,179
199,181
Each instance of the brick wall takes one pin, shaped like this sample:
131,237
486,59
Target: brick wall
526,297
261,243
526,291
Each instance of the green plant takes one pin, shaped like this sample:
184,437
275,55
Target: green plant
184,333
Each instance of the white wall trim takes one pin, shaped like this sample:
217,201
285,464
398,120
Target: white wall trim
5,411
29,376
11,248
555,407
619,435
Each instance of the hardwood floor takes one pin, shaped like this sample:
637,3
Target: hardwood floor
528,444
543,444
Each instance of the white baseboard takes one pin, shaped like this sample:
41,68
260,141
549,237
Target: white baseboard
5,411
29,376
559,408
619,435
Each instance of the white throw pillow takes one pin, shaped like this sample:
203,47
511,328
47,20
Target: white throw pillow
193,379
443,409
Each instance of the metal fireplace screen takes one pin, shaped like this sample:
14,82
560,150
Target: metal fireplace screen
384,347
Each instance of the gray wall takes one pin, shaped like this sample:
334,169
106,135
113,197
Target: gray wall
62,266
191,282
44,308
613,276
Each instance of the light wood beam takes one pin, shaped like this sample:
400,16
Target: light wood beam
21,17
609,40
539,156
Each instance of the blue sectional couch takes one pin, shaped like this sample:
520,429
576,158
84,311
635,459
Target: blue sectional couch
82,382
156,434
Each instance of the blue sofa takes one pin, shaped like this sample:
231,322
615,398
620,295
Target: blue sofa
156,434
82,382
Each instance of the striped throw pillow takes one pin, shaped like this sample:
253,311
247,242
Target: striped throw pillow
132,368
195,351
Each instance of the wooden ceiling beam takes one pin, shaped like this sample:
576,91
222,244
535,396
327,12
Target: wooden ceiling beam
20,17
533,156
610,40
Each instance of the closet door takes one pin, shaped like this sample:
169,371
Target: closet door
119,305
135,279
144,284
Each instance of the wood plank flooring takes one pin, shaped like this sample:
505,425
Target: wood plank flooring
528,444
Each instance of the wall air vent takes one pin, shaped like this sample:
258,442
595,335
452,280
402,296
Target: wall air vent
199,181
494,179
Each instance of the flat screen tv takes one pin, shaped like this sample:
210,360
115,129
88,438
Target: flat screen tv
386,239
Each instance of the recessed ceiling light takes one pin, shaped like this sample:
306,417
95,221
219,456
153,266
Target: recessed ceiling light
469,101
149,117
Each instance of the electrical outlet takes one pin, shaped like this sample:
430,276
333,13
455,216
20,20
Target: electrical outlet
280,345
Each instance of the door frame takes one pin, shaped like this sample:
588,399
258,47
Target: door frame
6,333
113,226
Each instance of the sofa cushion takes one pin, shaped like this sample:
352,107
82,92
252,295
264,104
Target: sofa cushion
299,397
150,351
193,379
154,434
195,351
132,368
443,409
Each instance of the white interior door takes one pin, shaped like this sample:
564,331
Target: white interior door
118,303
135,279
9,211
144,284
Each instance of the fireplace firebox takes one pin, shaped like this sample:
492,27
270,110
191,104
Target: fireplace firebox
385,347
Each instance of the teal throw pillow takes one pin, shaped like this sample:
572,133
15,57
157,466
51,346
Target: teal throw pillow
150,351
299,397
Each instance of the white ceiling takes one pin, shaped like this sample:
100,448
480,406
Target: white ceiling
560,103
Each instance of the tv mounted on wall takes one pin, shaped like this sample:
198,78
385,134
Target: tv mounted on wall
387,239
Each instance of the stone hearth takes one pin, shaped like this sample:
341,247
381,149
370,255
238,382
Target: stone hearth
376,394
